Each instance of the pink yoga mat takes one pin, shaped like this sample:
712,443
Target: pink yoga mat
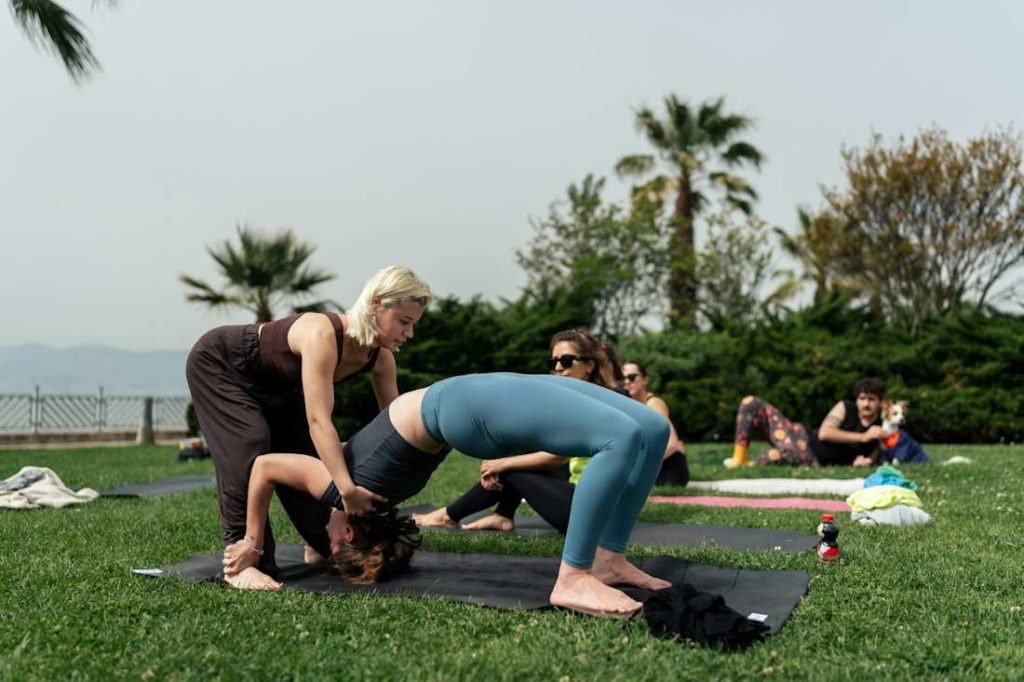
760,502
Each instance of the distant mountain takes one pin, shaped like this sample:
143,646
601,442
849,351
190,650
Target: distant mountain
83,369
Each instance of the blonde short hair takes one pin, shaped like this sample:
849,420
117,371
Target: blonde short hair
388,288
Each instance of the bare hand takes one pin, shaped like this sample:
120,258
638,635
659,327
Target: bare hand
873,433
493,467
490,482
358,501
863,461
240,556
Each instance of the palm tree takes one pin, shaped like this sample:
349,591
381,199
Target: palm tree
262,273
694,146
829,262
58,30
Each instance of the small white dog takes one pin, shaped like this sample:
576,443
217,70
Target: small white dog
893,415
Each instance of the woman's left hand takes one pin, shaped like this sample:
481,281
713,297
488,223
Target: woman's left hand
359,501
493,467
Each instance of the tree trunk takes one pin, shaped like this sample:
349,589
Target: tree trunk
682,282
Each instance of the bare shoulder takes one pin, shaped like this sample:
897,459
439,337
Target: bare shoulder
836,415
385,365
312,331
658,405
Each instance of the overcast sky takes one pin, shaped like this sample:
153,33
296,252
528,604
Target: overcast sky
422,133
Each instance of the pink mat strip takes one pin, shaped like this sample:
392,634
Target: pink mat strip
762,503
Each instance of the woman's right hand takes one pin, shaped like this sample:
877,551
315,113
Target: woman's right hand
240,556
358,501
490,482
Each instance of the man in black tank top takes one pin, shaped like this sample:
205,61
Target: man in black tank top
848,435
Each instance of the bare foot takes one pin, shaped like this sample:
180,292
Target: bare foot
611,568
311,556
492,522
577,589
438,517
252,578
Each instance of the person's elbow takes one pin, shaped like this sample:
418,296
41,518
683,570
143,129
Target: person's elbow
261,470
319,424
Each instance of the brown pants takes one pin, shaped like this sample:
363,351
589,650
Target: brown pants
242,419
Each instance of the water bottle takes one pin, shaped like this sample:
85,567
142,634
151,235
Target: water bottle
828,548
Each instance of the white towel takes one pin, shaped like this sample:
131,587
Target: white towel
782,486
35,487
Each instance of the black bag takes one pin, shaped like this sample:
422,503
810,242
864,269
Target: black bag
682,612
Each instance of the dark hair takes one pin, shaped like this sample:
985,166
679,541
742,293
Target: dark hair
614,362
639,366
607,370
383,545
871,386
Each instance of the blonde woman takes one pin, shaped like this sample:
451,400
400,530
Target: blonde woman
261,388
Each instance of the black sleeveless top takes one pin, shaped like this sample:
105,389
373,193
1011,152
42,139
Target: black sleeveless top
282,368
843,454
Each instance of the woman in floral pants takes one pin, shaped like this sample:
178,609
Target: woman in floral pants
760,419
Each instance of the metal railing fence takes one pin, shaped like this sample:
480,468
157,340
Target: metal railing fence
43,413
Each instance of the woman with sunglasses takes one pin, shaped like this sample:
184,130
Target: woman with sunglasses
674,469
487,416
547,482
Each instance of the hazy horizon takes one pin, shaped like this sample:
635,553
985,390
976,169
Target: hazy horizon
423,135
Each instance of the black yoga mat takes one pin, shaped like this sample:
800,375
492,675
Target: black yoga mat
516,582
166,486
664,534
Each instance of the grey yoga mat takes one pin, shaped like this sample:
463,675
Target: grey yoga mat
166,486
665,534
516,582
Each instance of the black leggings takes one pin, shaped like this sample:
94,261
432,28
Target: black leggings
548,491
674,470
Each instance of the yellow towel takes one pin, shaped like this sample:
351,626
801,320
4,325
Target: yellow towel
882,496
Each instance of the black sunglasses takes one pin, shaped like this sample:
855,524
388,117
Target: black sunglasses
631,376
565,360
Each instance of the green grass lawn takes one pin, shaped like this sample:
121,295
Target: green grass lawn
941,601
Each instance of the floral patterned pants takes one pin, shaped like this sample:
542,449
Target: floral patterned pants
759,419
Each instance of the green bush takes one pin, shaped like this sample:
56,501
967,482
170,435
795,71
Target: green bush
959,373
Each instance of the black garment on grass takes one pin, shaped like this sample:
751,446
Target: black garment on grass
681,612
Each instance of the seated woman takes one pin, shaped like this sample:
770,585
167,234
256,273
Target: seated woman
484,416
542,479
674,469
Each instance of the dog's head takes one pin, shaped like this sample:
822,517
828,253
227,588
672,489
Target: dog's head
894,412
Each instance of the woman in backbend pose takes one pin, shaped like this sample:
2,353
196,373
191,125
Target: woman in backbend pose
545,481
486,416
269,387
674,469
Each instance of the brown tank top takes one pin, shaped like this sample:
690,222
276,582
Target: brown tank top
281,367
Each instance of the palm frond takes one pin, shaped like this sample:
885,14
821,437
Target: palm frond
790,244
738,152
739,204
58,30
263,270
634,165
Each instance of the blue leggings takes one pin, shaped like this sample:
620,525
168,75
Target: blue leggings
495,415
